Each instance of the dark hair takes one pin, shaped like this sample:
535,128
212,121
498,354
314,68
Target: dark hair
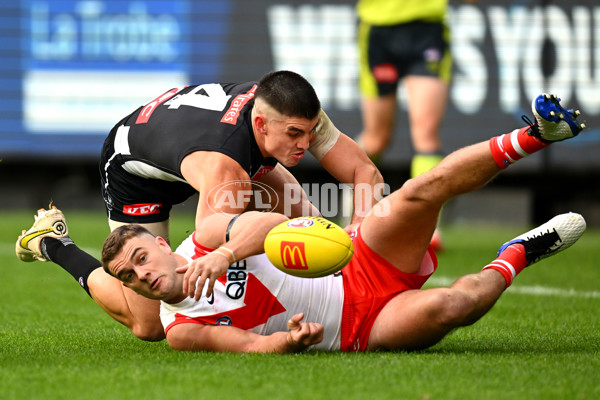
117,238
289,93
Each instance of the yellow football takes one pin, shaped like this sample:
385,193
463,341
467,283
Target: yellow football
308,247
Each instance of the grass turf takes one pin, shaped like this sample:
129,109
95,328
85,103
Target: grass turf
541,340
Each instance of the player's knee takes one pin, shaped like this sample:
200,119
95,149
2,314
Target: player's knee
452,308
148,333
378,146
422,189
374,142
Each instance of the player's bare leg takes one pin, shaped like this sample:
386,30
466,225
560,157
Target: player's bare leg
48,240
156,228
427,98
410,214
137,313
378,119
427,316
417,319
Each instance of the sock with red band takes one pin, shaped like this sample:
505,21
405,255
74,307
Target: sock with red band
511,147
510,262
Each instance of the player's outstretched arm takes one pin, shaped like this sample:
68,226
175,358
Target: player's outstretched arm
348,163
196,337
247,236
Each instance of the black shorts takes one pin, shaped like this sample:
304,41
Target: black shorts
389,53
133,199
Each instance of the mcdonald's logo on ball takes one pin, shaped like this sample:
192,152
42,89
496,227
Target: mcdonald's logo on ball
293,255
308,247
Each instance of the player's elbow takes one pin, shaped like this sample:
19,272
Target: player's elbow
176,343
148,333
189,337
370,173
277,218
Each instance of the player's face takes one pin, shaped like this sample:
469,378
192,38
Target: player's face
288,138
146,265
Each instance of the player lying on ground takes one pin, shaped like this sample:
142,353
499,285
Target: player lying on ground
250,308
375,304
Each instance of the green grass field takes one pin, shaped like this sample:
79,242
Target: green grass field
541,341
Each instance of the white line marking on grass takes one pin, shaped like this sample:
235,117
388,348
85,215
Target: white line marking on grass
528,290
548,291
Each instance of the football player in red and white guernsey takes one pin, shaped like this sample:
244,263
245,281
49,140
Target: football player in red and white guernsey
376,303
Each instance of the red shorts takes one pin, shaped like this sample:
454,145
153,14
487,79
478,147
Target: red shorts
369,283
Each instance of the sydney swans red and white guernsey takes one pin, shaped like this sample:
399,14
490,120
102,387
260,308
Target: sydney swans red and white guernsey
255,296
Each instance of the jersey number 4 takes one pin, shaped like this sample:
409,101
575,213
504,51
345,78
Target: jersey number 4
209,97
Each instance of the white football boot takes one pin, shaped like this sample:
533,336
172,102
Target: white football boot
550,238
48,223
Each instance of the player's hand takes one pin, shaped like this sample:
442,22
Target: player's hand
352,227
209,267
303,334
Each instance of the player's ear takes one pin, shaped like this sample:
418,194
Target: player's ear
260,123
162,243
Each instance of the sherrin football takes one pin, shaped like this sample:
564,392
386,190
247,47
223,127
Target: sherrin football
308,247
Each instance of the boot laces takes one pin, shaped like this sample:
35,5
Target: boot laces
533,128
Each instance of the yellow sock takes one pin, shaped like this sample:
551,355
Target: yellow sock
422,163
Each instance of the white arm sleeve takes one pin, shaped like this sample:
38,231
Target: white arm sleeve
326,137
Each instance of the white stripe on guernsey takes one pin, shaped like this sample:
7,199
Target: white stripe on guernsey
527,290
135,167
514,140
121,142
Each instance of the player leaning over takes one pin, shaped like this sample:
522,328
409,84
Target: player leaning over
376,303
